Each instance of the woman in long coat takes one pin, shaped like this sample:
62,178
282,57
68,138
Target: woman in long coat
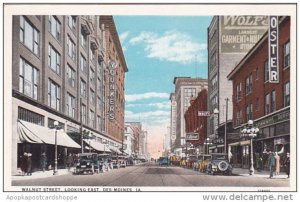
277,164
29,164
24,163
287,164
43,161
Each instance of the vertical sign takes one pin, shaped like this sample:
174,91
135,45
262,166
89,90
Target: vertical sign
273,49
112,90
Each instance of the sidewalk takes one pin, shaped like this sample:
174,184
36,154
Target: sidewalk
40,174
263,173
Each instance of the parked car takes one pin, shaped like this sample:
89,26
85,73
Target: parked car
103,162
219,164
201,163
163,161
122,161
115,162
86,164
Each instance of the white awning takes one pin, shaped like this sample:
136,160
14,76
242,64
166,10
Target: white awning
97,145
115,150
32,133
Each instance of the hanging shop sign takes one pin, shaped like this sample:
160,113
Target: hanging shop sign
192,136
240,33
112,90
203,113
273,49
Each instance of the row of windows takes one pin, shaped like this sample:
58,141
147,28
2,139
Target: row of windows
270,104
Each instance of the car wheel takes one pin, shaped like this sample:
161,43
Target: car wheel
223,166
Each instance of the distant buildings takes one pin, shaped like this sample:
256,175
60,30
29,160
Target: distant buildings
68,69
185,89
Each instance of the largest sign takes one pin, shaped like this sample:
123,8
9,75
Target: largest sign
240,33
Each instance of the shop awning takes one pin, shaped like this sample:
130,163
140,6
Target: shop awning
115,150
234,144
97,145
246,142
32,133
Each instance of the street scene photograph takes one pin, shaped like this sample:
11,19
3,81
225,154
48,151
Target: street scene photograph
151,102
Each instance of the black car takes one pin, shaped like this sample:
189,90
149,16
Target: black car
87,164
219,163
163,161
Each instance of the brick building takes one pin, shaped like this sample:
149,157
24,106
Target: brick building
195,123
267,104
59,73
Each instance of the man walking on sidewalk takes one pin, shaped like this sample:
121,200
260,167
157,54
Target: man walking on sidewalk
271,163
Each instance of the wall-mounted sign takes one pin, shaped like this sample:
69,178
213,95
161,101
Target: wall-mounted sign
203,113
240,33
112,90
192,136
273,49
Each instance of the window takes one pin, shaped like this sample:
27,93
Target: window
256,73
83,113
239,92
53,95
83,64
267,75
92,55
53,59
214,82
82,88
71,48
83,40
248,86
92,76
29,116
99,124
249,112
267,104
273,101
92,118
70,105
286,94
71,75
99,103
92,97
28,79
54,27
29,35
72,22
287,54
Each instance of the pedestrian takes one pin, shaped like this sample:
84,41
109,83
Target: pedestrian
29,164
287,164
271,163
69,161
24,163
277,163
43,161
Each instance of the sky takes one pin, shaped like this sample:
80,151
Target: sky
157,49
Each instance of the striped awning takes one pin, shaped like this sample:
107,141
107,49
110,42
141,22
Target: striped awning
97,145
36,134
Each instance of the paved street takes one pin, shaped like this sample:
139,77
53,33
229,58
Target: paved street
153,175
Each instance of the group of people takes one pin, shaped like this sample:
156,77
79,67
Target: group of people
274,161
26,163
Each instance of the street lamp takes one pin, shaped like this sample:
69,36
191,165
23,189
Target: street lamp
207,143
90,137
56,128
250,132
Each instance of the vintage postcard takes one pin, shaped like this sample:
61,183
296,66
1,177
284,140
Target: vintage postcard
149,97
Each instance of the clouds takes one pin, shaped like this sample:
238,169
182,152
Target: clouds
171,46
149,95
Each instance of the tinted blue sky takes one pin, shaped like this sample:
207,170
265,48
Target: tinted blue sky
157,49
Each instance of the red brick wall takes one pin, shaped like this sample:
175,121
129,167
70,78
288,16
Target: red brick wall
260,87
195,123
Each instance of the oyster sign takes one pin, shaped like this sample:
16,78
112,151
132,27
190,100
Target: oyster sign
240,33
273,49
112,90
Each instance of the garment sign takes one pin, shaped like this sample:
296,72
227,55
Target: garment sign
112,90
273,49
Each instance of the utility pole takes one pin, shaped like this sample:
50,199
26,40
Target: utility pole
81,125
225,135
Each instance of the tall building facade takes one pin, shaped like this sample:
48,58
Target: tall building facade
59,70
137,135
185,89
173,120
129,140
266,103
229,39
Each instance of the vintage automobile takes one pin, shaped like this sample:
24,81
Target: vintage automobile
219,164
87,164
201,163
122,161
191,159
103,162
163,161
115,162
